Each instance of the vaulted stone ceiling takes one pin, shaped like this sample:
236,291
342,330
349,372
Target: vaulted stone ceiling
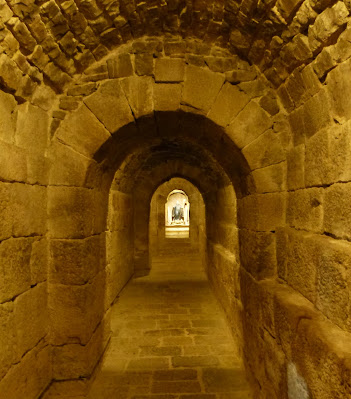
54,40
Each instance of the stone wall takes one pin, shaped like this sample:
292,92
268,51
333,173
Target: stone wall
25,355
183,105
223,261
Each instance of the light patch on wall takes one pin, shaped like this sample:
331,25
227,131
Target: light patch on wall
297,387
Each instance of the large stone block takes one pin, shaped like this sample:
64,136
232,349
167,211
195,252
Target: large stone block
31,318
110,106
75,311
76,361
263,212
76,261
38,169
29,210
75,212
120,211
311,117
250,123
257,251
31,376
301,263
271,178
321,33
333,281
337,208
14,267
229,102
288,8
120,67
8,338
339,89
13,163
32,128
167,96
201,87
7,120
322,352
305,209
290,308
316,114
317,166
227,235
73,171
328,156
6,220
264,151
169,70
139,93
296,167
82,131
39,261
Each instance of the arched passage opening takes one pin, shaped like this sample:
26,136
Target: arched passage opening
199,138
124,174
184,192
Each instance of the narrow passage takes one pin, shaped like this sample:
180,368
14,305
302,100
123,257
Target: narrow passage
170,339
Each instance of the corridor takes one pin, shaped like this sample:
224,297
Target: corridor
170,339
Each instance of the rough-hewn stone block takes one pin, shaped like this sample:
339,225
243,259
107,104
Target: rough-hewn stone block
77,361
333,279
8,338
144,64
82,130
258,253
7,121
75,212
32,128
169,70
31,318
337,208
110,106
75,311
14,267
264,151
13,162
139,92
301,263
326,24
229,102
201,87
39,261
31,376
305,209
73,171
271,178
120,67
296,167
339,87
167,96
76,261
250,123
263,212
29,210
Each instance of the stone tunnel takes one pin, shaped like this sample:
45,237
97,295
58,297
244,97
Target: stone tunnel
107,107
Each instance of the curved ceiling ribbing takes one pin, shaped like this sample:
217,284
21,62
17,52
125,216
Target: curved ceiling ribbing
57,39
131,150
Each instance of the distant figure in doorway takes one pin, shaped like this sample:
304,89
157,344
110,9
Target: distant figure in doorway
177,213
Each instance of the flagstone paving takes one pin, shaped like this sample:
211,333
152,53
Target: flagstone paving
170,339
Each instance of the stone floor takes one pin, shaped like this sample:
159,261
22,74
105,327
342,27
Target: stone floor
170,340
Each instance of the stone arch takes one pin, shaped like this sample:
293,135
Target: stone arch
157,227
208,120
